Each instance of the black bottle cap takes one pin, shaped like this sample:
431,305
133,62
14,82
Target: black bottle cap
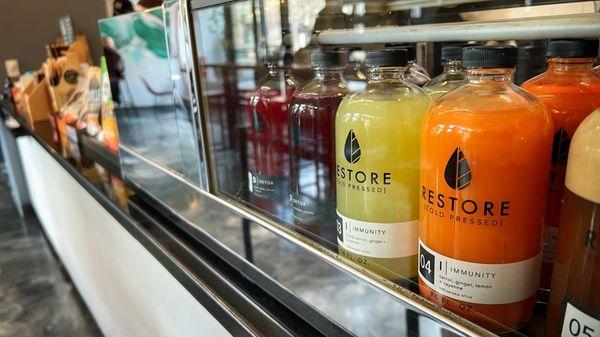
453,52
572,48
387,58
328,58
496,56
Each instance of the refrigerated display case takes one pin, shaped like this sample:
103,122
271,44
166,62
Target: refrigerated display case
218,155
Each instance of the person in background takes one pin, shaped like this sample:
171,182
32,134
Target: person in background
122,7
143,5
115,67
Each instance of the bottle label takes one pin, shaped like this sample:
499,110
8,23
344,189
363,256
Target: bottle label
578,322
265,186
482,283
550,242
376,239
310,210
304,207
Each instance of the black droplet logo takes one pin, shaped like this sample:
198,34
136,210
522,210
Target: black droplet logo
457,172
352,148
560,147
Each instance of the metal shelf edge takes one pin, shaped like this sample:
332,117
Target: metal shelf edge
559,26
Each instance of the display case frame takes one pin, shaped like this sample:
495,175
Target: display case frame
199,210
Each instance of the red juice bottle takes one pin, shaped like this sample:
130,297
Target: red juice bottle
268,140
312,124
570,90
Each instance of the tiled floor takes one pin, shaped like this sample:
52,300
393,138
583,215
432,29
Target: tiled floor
36,299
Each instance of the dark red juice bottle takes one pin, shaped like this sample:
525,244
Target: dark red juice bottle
312,125
268,140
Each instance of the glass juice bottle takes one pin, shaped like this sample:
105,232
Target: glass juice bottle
414,72
452,76
574,307
570,90
485,156
354,74
312,123
268,140
377,168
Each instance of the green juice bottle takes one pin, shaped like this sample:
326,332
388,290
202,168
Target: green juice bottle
377,169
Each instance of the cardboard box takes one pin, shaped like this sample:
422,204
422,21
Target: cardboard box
38,105
46,131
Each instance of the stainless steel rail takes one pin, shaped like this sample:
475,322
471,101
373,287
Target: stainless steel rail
574,26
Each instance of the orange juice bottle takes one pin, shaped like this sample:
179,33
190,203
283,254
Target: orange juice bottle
570,90
485,156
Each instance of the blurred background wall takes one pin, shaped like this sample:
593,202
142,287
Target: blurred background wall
26,26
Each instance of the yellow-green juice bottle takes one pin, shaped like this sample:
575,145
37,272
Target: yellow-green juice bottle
377,134
452,77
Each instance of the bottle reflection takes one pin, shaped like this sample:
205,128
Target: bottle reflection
312,117
268,140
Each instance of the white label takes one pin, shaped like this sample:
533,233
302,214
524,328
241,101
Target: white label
376,239
578,323
550,241
482,283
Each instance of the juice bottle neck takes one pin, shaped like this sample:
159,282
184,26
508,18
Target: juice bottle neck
453,67
275,70
490,76
571,65
385,74
279,78
329,74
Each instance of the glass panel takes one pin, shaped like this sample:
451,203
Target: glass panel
315,111
184,95
150,68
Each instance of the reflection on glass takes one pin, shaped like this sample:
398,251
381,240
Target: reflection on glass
354,74
139,41
269,140
184,95
243,37
312,118
148,66
414,72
